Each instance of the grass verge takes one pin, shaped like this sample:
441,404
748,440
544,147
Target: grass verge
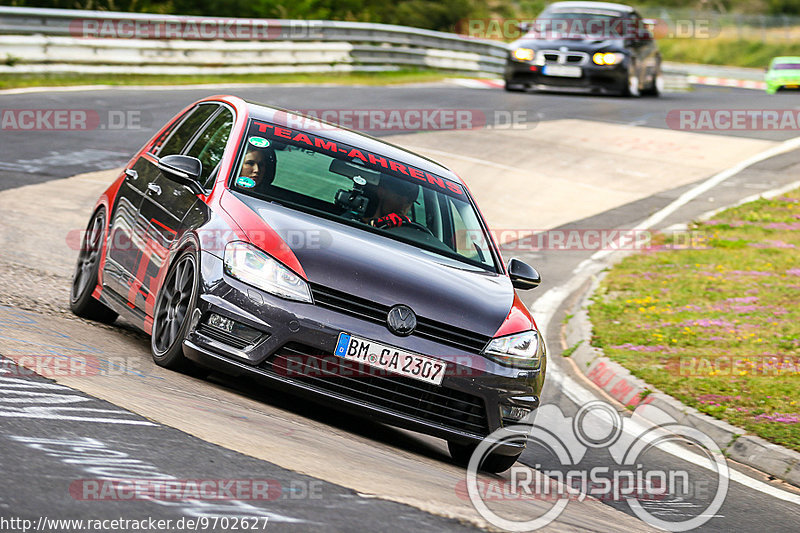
717,324
10,81
726,51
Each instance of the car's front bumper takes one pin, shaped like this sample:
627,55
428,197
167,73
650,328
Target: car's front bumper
782,85
606,77
295,352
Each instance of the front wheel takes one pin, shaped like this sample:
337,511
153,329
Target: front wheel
493,462
514,87
85,279
174,305
632,82
656,86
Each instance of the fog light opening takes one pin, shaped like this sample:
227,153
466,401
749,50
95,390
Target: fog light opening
230,329
220,322
513,413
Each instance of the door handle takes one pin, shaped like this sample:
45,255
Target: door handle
152,187
132,174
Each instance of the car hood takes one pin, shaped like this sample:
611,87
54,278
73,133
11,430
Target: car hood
581,44
388,272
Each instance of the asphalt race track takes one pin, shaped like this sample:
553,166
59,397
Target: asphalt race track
324,471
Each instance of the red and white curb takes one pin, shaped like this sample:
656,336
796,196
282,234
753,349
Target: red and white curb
727,82
481,83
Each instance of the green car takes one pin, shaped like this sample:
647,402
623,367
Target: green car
783,73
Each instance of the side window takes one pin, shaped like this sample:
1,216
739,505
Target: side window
469,243
209,146
181,135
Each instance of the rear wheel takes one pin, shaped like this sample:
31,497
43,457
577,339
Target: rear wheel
174,305
85,279
493,462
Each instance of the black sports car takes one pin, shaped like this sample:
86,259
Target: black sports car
589,45
252,240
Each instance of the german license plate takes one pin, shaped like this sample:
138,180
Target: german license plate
564,71
377,355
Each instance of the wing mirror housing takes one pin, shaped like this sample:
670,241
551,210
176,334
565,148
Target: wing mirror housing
183,169
523,276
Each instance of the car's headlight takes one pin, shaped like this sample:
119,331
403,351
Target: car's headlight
523,54
247,263
607,58
519,350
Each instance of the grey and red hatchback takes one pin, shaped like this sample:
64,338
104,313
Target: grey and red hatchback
249,239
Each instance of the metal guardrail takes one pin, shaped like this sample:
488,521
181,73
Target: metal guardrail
36,40
52,40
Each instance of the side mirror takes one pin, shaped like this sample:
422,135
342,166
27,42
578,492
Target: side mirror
523,276
524,27
183,169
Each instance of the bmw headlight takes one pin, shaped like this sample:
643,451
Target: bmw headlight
518,350
250,265
607,58
524,54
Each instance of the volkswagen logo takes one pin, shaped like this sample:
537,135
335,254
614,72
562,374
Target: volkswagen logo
401,320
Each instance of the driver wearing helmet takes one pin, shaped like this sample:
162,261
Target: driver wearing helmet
395,197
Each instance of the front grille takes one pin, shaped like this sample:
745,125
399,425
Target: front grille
374,312
565,58
441,405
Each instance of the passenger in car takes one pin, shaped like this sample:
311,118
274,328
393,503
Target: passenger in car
258,168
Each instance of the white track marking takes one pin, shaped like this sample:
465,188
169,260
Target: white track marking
713,181
549,302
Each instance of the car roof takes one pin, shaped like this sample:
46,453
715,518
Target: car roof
591,5
786,59
347,136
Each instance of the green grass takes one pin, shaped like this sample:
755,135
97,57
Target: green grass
716,325
571,350
9,81
726,51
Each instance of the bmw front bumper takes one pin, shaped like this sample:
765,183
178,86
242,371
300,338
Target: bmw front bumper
607,77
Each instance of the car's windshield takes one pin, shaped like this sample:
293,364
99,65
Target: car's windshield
786,66
582,23
362,189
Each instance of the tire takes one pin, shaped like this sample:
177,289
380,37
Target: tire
87,268
492,463
514,87
656,86
175,303
632,82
